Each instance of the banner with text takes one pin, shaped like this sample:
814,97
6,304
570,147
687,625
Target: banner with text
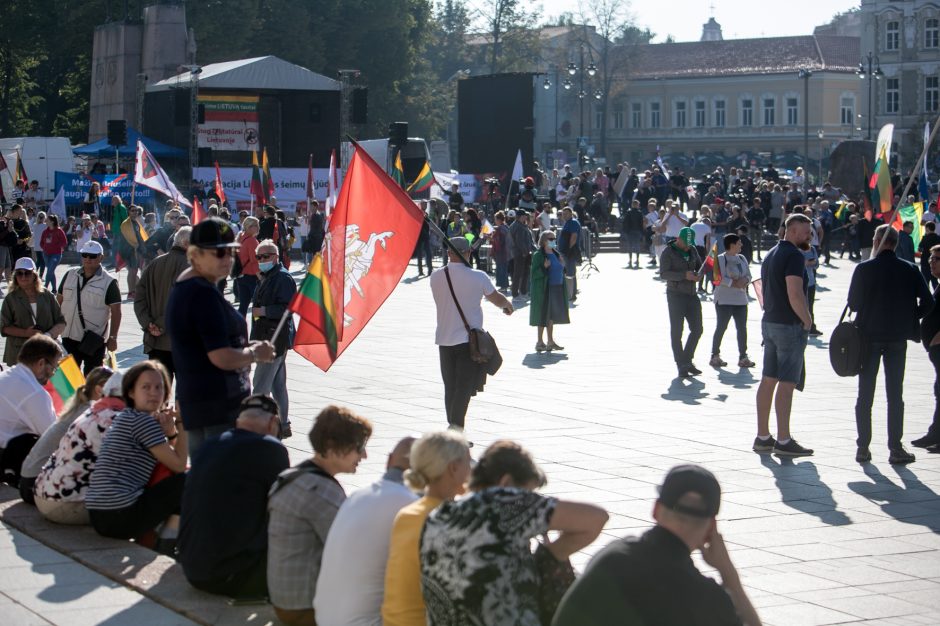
290,185
77,186
231,122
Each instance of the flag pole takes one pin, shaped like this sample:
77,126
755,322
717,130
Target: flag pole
280,325
920,162
447,243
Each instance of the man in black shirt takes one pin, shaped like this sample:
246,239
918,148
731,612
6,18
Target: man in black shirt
889,296
651,580
930,336
223,540
785,328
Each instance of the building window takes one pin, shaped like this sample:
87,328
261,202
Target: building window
931,94
655,121
720,113
793,116
680,115
847,110
636,115
699,113
618,117
932,33
598,118
892,95
893,35
747,112
769,111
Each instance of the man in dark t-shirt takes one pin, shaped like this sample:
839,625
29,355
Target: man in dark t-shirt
223,536
651,580
785,328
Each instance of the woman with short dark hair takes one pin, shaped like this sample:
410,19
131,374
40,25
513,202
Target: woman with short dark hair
476,562
120,501
301,509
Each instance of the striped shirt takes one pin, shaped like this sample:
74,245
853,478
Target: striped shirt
125,463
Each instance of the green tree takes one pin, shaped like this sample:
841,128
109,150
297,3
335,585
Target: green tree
509,28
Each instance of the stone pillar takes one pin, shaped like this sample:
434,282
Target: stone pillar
166,41
115,65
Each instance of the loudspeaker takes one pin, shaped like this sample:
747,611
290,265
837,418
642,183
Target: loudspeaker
360,106
398,133
201,114
205,157
181,109
117,132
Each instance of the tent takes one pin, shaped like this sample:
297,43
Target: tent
103,149
256,74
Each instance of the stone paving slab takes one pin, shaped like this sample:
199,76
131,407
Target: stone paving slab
820,540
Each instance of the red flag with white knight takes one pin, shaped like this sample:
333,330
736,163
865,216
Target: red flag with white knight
378,225
219,188
147,172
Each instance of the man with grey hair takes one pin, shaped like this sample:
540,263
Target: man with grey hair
152,294
458,290
889,296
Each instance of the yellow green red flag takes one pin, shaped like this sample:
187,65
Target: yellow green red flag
424,180
67,378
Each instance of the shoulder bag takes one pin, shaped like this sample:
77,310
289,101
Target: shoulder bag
91,341
846,348
482,345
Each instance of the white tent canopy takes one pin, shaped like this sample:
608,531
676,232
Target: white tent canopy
260,73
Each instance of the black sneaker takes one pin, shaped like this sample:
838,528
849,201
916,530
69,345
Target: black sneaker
761,445
693,370
863,455
925,442
900,456
791,448
684,372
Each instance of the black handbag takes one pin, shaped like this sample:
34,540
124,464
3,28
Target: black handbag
482,345
846,347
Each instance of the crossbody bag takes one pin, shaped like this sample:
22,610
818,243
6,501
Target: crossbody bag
482,345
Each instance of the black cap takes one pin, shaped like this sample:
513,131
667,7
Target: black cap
683,479
213,233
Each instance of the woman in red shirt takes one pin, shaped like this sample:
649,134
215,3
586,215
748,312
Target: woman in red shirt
53,243
247,281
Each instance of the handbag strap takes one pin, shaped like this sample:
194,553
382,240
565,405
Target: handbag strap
454,296
81,286
844,313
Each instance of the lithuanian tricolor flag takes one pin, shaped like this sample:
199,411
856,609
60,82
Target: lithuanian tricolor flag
64,382
257,186
711,262
424,180
398,172
315,303
880,185
266,172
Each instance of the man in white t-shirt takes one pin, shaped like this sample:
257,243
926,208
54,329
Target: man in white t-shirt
544,218
462,377
351,584
674,221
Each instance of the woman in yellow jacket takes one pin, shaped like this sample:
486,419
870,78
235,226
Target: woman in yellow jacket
440,466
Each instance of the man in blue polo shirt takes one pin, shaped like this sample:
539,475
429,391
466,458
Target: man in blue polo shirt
785,327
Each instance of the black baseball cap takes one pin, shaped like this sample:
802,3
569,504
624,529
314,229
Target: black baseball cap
683,479
213,233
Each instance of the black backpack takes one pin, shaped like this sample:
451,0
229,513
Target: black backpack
846,347
237,266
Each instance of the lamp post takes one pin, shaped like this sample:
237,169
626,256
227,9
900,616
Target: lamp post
872,73
591,70
820,134
548,85
805,74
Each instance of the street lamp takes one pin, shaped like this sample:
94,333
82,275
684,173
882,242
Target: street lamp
872,73
804,74
591,71
820,134
546,85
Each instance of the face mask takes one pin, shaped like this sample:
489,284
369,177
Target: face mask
266,266
552,244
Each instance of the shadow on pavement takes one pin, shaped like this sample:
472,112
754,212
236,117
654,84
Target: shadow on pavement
904,502
686,391
801,488
538,361
742,379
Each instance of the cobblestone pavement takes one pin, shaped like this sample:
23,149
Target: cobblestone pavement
818,540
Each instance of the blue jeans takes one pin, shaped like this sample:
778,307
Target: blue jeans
502,274
894,354
246,285
271,378
784,345
52,262
40,262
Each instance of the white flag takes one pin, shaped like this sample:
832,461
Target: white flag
147,172
58,206
517,168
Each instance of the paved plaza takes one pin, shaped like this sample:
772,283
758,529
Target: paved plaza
818,540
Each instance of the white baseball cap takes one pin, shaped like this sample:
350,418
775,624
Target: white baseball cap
25,263
91,247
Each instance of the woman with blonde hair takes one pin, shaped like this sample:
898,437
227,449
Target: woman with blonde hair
247,281
29,309
440,467
78,404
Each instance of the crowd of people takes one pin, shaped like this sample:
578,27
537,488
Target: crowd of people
183,451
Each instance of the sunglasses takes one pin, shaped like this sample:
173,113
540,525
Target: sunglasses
88,255
221,253
22,273
267,255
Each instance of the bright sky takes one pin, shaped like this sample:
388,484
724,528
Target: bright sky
739,19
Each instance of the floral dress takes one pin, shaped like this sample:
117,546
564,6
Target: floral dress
66,475
476,561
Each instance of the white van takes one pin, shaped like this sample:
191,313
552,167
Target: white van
42,158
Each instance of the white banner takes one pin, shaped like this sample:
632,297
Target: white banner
290,184
469,186
231,136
